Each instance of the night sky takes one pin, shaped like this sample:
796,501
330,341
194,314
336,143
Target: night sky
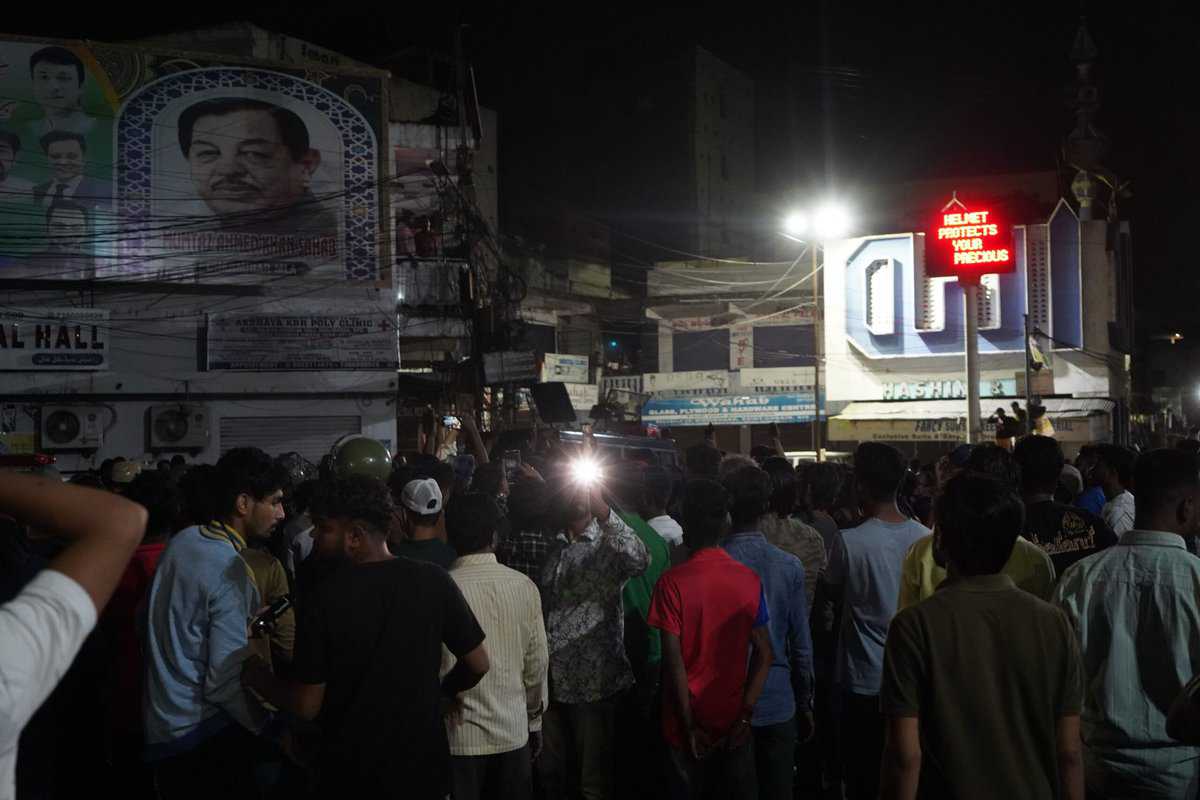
913,90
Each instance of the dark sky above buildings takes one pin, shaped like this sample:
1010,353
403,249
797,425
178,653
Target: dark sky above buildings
893,91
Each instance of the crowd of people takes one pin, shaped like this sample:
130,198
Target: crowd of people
1000,623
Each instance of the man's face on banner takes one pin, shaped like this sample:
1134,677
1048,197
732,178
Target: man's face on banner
67,231
66,159
240,163
56,86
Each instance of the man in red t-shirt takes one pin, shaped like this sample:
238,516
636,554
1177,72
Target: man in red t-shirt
711,611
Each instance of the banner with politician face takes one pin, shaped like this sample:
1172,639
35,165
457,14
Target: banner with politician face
132,163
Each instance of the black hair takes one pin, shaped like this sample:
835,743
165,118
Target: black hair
994,460
60,56
783,485
529,505
878,469
487,478
825,483
292,130
1188,446
162,499
198,485
178,460
1041,461
13,140
354,498
302,494
246,470
749,495
703,460
52,137
657,487
760,453
471,522
1159,476
1118,459
705,513
90,479
57,206
978,519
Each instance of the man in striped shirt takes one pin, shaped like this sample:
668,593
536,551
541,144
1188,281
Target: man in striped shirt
495,731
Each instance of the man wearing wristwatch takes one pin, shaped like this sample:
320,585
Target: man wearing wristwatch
709,610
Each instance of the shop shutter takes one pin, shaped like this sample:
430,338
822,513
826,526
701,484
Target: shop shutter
311,437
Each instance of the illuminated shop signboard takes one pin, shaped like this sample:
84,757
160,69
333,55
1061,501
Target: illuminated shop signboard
969,242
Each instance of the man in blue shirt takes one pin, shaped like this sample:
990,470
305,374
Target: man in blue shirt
198,718
865,566
784,709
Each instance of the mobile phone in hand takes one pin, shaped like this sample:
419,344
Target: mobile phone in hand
512,464
265,621
451,422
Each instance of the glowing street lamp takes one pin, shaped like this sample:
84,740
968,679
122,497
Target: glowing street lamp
829,220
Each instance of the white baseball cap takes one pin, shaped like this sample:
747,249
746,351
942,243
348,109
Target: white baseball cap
422,496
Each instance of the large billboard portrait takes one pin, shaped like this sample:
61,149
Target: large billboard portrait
56,114
134,163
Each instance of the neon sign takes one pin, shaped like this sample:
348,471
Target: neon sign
968,243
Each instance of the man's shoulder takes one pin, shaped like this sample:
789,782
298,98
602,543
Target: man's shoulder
491,573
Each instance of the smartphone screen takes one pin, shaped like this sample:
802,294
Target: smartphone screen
512,463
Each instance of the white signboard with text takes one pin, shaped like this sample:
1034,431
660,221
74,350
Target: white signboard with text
54,339
564,367
284,342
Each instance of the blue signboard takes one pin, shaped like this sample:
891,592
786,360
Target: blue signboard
729,410
882,321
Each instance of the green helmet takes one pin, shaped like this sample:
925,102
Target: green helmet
360,455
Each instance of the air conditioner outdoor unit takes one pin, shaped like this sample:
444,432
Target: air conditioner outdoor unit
72,427
177,426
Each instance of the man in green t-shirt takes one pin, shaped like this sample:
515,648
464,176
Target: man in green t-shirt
982,682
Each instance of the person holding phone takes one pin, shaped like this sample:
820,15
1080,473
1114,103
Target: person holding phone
581,584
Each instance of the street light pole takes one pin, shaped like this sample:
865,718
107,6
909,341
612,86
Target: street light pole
971,301
818,349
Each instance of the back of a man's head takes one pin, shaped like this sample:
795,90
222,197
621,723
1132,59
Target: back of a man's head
162,499
354,498
783,485
993,460
1041,462
732,463
1163,481
488,478
246,471
878,470
1118,461
749,491
705,513
471,523
423,502
824,482
702,460
978,518
529,505
656,489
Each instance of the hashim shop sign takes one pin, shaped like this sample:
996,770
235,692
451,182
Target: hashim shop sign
53,339
729,410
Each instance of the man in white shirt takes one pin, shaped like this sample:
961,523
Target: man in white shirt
656,495
1113,472
495,729
43,627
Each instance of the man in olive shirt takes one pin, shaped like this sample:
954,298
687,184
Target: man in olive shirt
982,682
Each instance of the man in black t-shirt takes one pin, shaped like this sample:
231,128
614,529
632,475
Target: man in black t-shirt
367,660
1066,533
